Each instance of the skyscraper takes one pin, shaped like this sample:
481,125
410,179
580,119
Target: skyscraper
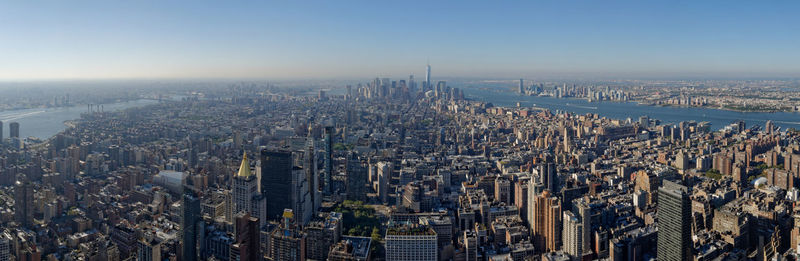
412,86
301,196
13,130
545,221
356,177
276,181
247,244
440,86
1,131
573,235
384,175
246,198
427,85
312,174
328,139
521,86
149,249
23,202
190,217
674,223
581,208
547,175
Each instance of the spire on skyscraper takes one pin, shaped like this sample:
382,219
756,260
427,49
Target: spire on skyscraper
244,169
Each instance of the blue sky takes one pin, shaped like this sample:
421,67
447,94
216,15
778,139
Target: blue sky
344,39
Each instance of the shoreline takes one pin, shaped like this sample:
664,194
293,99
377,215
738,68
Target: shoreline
714,107
643,103
52,121
718,117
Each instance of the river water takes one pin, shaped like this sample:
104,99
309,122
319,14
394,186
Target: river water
43,123
46,122
623,110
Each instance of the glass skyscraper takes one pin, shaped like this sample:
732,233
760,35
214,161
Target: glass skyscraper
674,222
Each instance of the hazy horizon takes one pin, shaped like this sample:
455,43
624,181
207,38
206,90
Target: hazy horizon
97,40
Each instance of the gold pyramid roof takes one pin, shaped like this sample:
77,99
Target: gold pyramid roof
244,169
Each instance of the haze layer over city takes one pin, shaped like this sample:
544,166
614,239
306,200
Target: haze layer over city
415,130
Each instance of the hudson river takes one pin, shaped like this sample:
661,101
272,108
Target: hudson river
623,110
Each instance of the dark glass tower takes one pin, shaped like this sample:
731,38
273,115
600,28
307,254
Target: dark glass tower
13,130
190,217
276,181
674,223
23,202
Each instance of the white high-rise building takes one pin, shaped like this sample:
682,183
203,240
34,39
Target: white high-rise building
572,235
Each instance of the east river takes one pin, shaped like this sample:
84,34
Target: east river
624,110
43,123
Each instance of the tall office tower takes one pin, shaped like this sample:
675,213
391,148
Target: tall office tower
407,244
13,130
581,208
312,174
276,181
521,196
573,235
23,202
795,235
384,176
412,85
247,240
545,221
328,139
1,131
440,86
301,196
427,85
674,222
246,198
287,242
356,177
149,249
190,223
521,86
547,174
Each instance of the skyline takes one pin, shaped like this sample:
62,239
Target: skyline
325,40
